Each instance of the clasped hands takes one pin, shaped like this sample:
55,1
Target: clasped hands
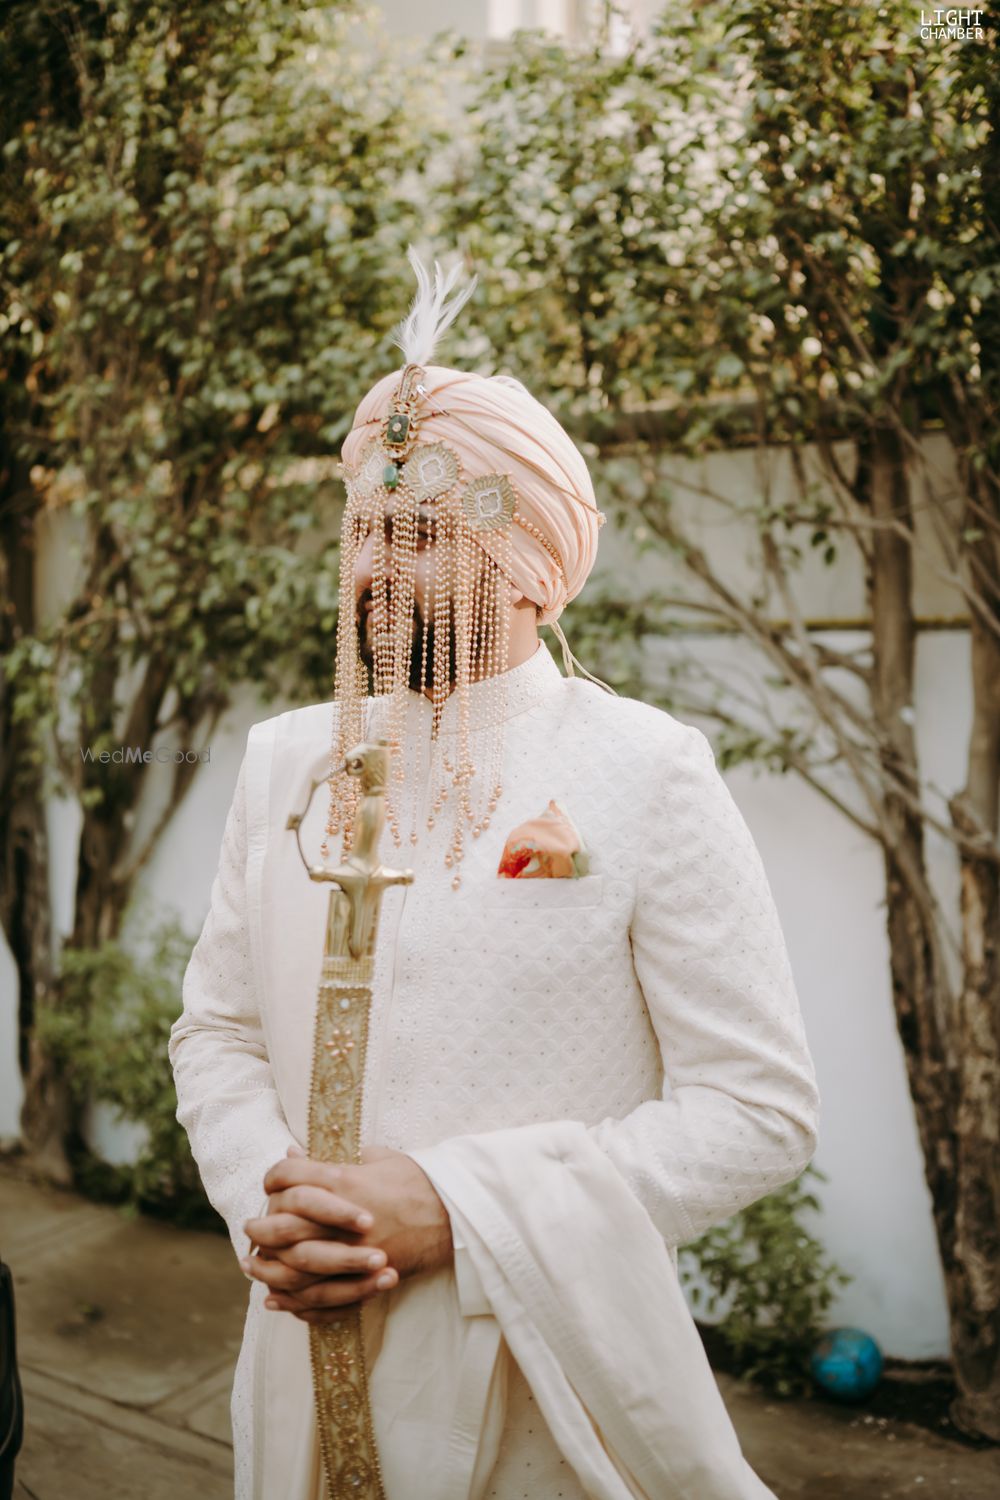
333,1235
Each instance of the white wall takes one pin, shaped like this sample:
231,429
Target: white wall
496,19
828,884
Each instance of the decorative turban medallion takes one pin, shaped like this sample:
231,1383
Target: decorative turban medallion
370,473
430,471
489,502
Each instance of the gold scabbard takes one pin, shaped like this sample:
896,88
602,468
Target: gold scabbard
340,1377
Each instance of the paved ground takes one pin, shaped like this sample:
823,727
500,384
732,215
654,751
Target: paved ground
128,1332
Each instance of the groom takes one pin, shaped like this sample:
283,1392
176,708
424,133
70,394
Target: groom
567,1078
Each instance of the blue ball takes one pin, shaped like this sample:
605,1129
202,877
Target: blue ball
847,1363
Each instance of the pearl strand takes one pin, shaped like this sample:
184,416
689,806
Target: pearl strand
348,674
404,568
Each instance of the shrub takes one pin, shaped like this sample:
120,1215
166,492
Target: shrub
778,1281
109,1034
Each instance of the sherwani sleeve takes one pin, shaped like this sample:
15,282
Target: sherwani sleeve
226,1096
710,956
472,1299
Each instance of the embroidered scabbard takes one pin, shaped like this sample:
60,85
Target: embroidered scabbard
340,1379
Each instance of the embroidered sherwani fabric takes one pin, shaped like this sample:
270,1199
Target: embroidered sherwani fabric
648,1008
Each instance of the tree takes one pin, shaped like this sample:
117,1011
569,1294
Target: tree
781,230
205,218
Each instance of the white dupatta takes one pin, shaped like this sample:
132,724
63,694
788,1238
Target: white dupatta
584,1296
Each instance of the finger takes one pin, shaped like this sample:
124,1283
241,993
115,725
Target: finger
341,1291
296,1150
276,1275
322,1205
332,1258
331,1294
313,1260
293,1169
327,1214
277,1230
337,1179
284,1200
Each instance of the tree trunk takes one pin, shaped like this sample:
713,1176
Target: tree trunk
47,1112
974,1282
951,1050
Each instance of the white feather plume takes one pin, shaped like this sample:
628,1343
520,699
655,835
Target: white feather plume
431,311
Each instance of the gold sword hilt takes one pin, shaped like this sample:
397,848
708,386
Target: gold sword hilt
360,878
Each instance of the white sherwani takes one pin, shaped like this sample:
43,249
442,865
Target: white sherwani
592,1072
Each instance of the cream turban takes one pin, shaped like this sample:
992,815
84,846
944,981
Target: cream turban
514,434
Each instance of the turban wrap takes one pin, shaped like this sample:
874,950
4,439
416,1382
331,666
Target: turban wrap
504,429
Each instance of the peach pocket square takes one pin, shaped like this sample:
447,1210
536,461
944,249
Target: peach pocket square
545,847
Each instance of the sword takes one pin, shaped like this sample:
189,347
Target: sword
340,1379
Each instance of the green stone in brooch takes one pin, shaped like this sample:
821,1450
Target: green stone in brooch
397,429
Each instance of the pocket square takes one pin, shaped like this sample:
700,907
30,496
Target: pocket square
545,847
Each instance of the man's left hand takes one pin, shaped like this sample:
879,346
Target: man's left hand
411,1225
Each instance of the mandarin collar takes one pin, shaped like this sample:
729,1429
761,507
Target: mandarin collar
522,687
